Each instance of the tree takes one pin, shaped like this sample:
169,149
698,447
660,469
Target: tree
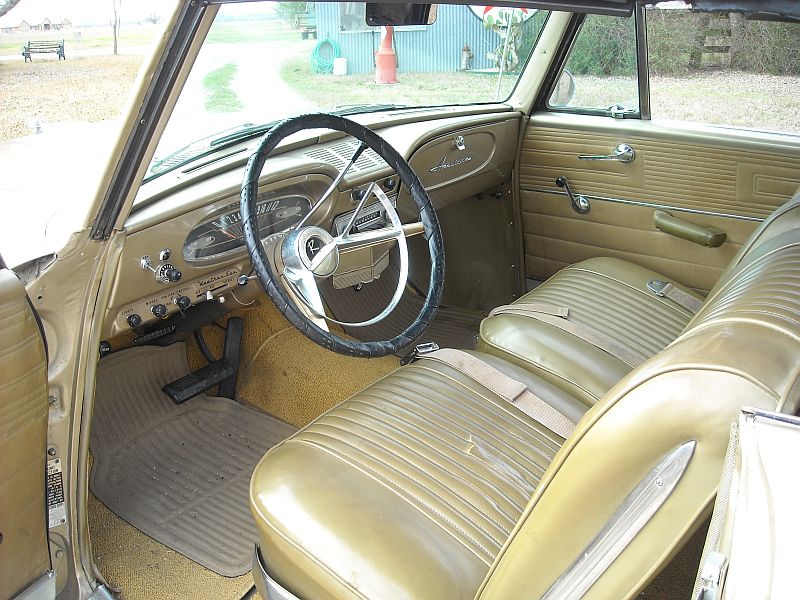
117,6
288,11
7,5
153,18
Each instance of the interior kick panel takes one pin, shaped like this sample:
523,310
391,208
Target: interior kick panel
467,173
713,177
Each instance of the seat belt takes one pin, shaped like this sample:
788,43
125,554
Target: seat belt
508,388
683,299
558,317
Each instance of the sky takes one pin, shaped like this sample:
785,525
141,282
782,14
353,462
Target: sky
87,12
99,12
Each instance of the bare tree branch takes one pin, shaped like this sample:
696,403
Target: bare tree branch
7,5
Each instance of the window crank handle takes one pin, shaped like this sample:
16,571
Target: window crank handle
580,204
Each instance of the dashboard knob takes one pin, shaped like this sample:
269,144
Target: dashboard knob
183,302
390,184
357,195
173,274
159,310
134,320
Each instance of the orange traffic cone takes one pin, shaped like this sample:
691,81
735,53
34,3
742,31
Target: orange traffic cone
386,59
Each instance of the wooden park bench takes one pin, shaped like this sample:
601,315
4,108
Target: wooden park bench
43,47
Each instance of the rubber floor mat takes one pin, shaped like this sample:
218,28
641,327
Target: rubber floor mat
179,473
451,327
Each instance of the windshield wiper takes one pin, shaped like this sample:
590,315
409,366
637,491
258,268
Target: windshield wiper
354,109
205,147
246,132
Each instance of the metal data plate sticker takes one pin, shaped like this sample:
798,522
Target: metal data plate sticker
55,493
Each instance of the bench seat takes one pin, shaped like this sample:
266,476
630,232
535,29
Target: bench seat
606,294
610,297
428,485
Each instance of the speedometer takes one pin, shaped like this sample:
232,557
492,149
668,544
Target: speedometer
223,233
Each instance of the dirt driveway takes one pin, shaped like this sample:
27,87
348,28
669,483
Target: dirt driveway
257,85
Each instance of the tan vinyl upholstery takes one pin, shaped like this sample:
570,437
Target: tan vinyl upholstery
426,485
415,483
609,296
605,294
24,552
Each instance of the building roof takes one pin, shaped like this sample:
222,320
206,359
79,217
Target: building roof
15,17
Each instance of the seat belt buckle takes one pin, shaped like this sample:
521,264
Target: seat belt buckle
418,351
657,286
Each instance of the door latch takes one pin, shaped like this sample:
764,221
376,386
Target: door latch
622,153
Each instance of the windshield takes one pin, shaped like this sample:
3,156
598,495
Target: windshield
267,61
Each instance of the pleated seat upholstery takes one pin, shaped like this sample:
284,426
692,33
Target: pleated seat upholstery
441,464
427,485
611,297
607,295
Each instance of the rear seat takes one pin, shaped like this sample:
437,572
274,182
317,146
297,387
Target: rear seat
610,298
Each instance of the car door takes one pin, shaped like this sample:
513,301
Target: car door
714,146
24,554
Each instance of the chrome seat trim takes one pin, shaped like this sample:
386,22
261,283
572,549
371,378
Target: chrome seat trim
634,513
267,587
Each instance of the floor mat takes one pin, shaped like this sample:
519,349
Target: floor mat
179,473
451,328
137,567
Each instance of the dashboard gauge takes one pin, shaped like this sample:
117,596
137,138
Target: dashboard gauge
224,233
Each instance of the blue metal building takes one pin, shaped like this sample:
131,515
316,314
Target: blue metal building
436,48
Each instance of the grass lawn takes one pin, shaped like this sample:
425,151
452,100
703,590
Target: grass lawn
749,100
246,32
327,91
90,88
138,37
766,102
220,97
77,40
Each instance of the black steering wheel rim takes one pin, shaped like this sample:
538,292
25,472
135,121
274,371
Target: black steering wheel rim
262,265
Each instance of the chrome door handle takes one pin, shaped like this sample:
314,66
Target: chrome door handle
623,153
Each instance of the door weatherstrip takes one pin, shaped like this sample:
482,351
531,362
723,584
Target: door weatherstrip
642,62
693,211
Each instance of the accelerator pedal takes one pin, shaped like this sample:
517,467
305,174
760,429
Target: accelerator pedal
223,371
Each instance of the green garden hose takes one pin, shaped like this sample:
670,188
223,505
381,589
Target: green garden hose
324,63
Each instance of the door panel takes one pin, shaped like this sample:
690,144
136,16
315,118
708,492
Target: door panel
713,177
24,554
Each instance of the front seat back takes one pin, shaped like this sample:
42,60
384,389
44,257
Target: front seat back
741,349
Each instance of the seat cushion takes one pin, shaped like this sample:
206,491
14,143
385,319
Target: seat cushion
406,490
607,295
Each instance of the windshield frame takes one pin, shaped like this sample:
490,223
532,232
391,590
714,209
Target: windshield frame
209,143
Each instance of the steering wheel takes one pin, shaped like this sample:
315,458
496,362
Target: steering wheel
289,264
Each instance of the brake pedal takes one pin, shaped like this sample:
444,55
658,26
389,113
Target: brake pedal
199,381
223,372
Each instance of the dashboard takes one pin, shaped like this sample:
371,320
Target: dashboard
184,241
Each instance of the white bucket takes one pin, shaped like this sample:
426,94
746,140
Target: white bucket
340,66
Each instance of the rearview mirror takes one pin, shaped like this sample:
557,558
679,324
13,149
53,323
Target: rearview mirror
400,13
